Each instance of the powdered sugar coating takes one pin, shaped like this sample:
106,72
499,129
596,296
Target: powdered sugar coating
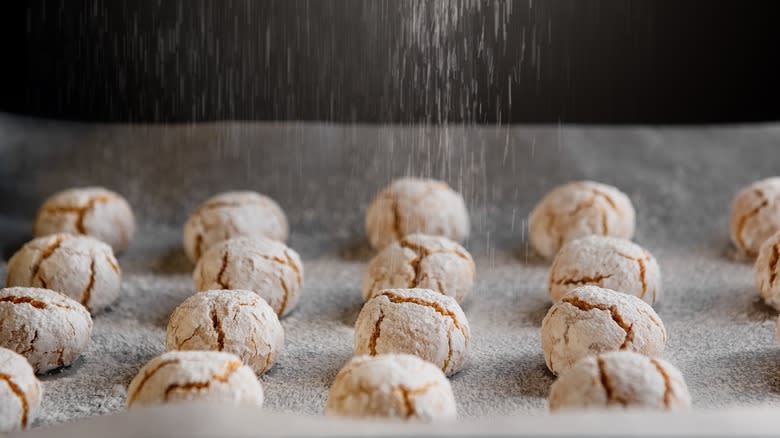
591,320
620,380
233,214
91,211
421,261
208,376
755,215
80,267
20,392
234,321
264,266
607,262
49,329
422,322
391,386
579,209
767,271
416,205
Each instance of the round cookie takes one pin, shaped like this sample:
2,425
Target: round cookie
421,261
622,380
90,211
392,387
264,266
416,205
233,214
607,262
767,271
755,215
579,209
49,329
422,322
591,320
208,376
80,267
234,321
20,392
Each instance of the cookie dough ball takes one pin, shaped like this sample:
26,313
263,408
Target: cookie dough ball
766,271
90,211
391,387
577,210
234,321
608,262
264,266
20,392
591,320
622,380
415,205
755,215
422,322
206,376
80,267
46,327
233,214
421,261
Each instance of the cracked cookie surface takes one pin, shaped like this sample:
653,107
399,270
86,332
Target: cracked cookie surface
80,267
591,320
20,392
416,205
622,380
607,262
267,267
755,215
49,329
391,386
233,214
91,211
233,321
579,209
767,271
422,322
421,261
210,376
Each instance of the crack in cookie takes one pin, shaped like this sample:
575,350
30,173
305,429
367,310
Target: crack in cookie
87,294
223,377
375,335
614,314
743,221
19,393
607,384
667,382
148,375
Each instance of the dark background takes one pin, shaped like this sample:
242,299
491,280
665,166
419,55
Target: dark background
608,61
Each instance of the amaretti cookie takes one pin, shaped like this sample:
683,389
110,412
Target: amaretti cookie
90,211
209,376
234,321
414,321
755,215
49,329
579,209
391,386
620,380
416,205
80,267
233,214
608,262
20,392
264,266
421,261
591,320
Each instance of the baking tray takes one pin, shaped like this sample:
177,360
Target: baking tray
681,181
